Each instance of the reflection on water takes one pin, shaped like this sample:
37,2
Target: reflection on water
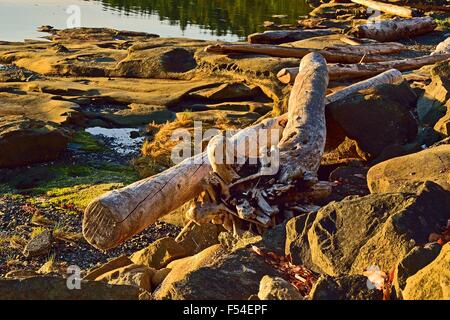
221,17
203,19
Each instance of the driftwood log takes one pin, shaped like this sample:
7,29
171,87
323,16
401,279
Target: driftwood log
392,76
284,36
260,200
365,70
237,196
391,9
118,215
395,29
369,49
289,52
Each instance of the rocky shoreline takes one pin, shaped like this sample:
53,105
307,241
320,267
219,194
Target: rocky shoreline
72,104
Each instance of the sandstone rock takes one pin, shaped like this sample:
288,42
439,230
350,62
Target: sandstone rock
242,270
158,254
24,141
55,288
197,238
333,10
140,276
36,105
384,119
351,287
159,276
416,259
431,282
442,126
276,288
349,236
138,115
408,172
159,62
39,245
227,91
113,264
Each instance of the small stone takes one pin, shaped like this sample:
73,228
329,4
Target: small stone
276,288
39,245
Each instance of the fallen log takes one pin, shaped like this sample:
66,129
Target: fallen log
303,141
260,200
395,29
443,47
365,70
392,76
368,49
289,52
119,214
391,9
284,36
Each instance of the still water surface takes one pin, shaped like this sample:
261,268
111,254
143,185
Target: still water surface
228,20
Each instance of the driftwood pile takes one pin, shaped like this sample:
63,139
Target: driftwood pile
267,182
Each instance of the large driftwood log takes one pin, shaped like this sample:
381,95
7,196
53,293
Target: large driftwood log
365,70
303,141
392,76
289,52
284,36
392,9
260,200
119,214
395,29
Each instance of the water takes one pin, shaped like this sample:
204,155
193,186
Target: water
228,20
119,139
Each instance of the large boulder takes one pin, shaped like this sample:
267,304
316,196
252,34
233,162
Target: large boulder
357,233
54,288
373,119
25,141
408,172
431,282
215,274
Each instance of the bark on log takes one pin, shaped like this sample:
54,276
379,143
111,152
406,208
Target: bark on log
284,36
288,52
392,76
119,214
395,29
303,141
368,49
365,70
392,9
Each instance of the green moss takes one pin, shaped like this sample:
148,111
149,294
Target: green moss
445,23
84,141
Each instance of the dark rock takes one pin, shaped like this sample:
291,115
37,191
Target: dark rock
24,141
349,236
52,288
416,259
384,118
352,287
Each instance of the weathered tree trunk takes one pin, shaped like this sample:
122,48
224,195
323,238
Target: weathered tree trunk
443,47
284,36
368,49
288,52
395,29
351,71
303,141
365,70
392,76
392,9
119,214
